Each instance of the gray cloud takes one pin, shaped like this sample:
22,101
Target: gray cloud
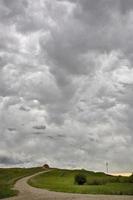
38,133
66,83
9,161
11,129
41,127
24,108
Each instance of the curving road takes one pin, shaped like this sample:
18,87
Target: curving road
26,192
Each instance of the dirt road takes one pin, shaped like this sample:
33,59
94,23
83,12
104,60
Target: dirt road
26,192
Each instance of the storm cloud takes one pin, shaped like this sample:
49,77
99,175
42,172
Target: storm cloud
66,83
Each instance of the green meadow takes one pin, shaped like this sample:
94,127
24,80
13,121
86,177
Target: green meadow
9,176
97,183
61,180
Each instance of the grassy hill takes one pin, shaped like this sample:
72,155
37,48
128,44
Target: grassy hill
97,183
9,176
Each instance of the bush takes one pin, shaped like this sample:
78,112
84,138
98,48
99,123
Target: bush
97,181
80,179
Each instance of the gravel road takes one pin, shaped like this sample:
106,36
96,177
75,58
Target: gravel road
26,192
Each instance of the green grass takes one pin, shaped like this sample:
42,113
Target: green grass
63,181
9,176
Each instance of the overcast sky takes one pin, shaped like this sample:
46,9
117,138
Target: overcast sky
66,83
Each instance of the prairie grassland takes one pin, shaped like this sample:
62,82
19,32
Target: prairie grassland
97,183
9,176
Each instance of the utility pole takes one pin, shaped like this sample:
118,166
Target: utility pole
107,167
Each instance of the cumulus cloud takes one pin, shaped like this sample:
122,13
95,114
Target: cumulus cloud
66,83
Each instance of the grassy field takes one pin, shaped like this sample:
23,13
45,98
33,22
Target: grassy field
97,183
9,176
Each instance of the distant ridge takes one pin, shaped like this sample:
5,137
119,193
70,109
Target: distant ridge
121,174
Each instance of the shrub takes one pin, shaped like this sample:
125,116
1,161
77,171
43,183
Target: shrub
80,179
97,181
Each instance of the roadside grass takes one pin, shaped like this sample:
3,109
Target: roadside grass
8,176
97,183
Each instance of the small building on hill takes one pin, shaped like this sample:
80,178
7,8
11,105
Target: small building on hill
46,166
